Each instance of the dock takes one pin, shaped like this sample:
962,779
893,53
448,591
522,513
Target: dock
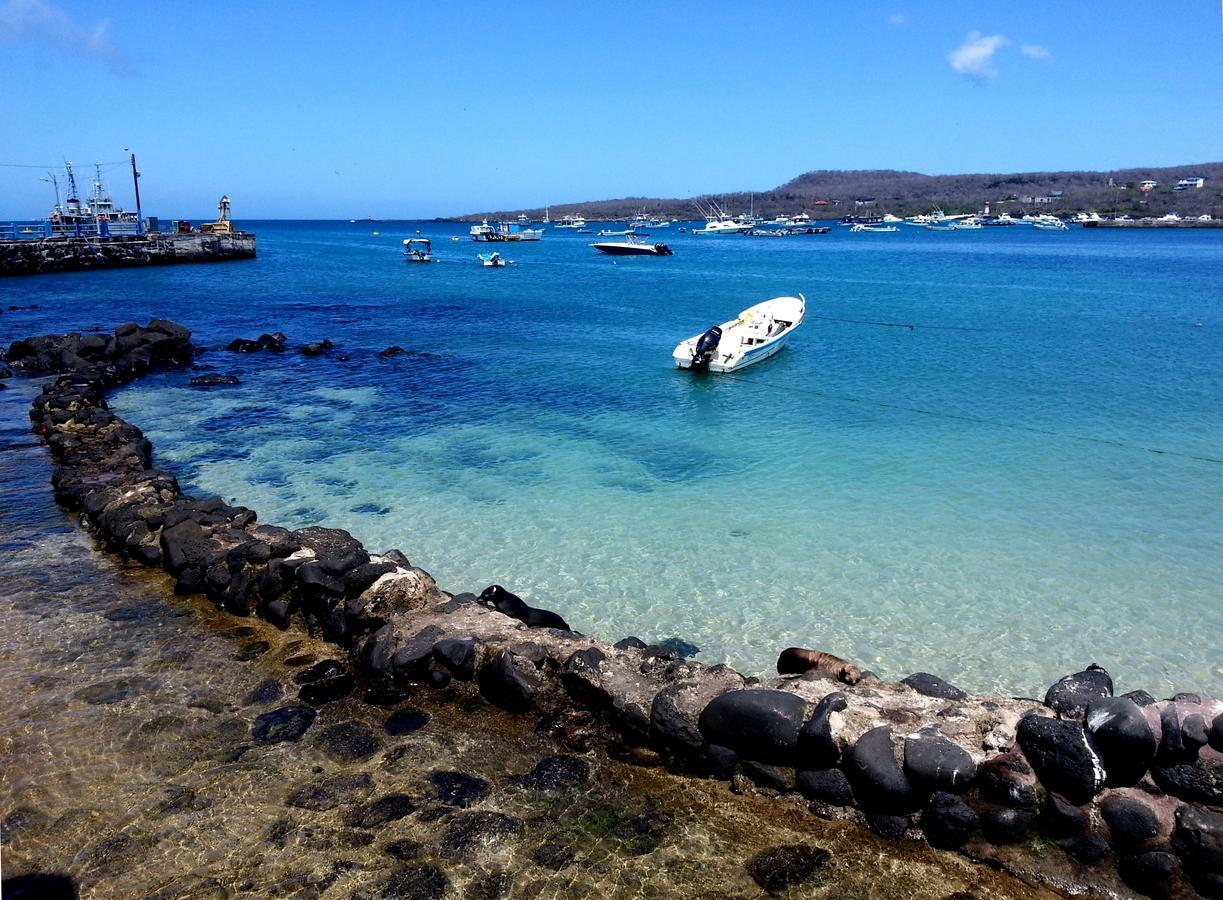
61,253
1153,223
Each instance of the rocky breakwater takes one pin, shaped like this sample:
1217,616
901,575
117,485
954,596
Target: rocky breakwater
68,254
1084,791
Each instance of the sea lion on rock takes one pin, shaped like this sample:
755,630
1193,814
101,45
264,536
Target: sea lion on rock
797,660
512,605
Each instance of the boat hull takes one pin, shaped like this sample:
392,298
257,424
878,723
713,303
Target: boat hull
746,332
618,249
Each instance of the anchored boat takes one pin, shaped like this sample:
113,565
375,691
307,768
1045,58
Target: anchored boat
632,247
418,250
494,260
758,333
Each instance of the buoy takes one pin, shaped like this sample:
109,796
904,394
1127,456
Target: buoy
377,233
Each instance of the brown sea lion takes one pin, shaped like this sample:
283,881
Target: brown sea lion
797,660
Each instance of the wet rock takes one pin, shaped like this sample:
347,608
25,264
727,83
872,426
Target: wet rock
406,721
330,792
1062,820
1199,782
757,724
948,821
117,852
1002,825
1087,849
779,868
775,778
327,690
722,762
335,550
1130,822
553,856
1198,838
508,682
1072,694
40,886
106,692
458,788
1058,752
818,748
555,773
469,831
412,657
825,786
877,779
1172,748
252,650
327,668
349,741
681,648
1216,733
934,763
384,695
393,350
317,348
214,380
933,686
1150,873
893,828
630,643
288,723
404,850
417,881
390,808
1142,698
351,840
581,677
1194,732
1008,781
1121,737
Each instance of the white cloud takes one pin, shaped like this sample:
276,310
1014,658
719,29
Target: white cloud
38,21
1035,51
975,57
898,20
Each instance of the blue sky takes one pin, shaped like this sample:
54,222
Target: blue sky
419,109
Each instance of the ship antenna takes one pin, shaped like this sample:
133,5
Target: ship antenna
72,194
55,186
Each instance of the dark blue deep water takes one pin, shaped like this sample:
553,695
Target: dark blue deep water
1028,480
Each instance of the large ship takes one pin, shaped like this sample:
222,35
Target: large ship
98,214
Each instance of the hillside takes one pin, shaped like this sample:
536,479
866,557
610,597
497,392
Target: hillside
830,194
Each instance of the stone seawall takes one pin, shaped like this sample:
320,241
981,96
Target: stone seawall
1084,791
69,254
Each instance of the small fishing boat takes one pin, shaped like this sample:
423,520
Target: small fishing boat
494,260
1054,225
876,229
632,247
417,250
758,333
949,227
607,232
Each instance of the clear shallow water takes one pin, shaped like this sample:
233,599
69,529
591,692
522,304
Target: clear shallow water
975,497
127,763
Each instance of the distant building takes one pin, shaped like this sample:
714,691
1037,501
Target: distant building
1188,183
1056,193
1148,185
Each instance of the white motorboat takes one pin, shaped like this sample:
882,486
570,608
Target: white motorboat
1050,224
494,260
483,232
758,333
876,229
632,247
607,232
417,250
571,222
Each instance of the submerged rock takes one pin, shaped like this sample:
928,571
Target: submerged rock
418,881
783,867
349,741
330,792
288,723
554,773
390,808
458,788
214,380
469,831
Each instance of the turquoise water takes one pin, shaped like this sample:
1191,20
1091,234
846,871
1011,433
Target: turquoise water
1027,481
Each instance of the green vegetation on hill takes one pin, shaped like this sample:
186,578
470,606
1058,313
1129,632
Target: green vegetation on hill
830,194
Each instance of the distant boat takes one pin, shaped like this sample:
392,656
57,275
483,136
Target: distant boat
574,222
858,228
494,260
608,233
418,250
717,222
759,332
632,247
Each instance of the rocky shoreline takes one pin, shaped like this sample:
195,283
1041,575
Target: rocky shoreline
1085,791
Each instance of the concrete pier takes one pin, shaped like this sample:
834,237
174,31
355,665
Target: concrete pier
68,254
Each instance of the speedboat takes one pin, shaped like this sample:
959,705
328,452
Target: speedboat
632,247
757,333
877,229
494,260
417,250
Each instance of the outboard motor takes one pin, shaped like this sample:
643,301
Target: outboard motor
662,249
705,348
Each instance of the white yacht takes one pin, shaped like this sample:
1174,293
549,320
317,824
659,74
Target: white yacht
571,222
483,232
718,222
758,333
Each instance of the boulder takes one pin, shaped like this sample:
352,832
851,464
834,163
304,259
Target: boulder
1060,756
934,763
330,792
348,741
317,348
1062,820
757,724
877,778
459,656
1130,822
389,808
818,747
1121,737
1003,825
1215,736
947,821
933,686
1199,782
508,682
458,788
676,710
828,786
1198,838
1071,695
1150,873
555,773
288,723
